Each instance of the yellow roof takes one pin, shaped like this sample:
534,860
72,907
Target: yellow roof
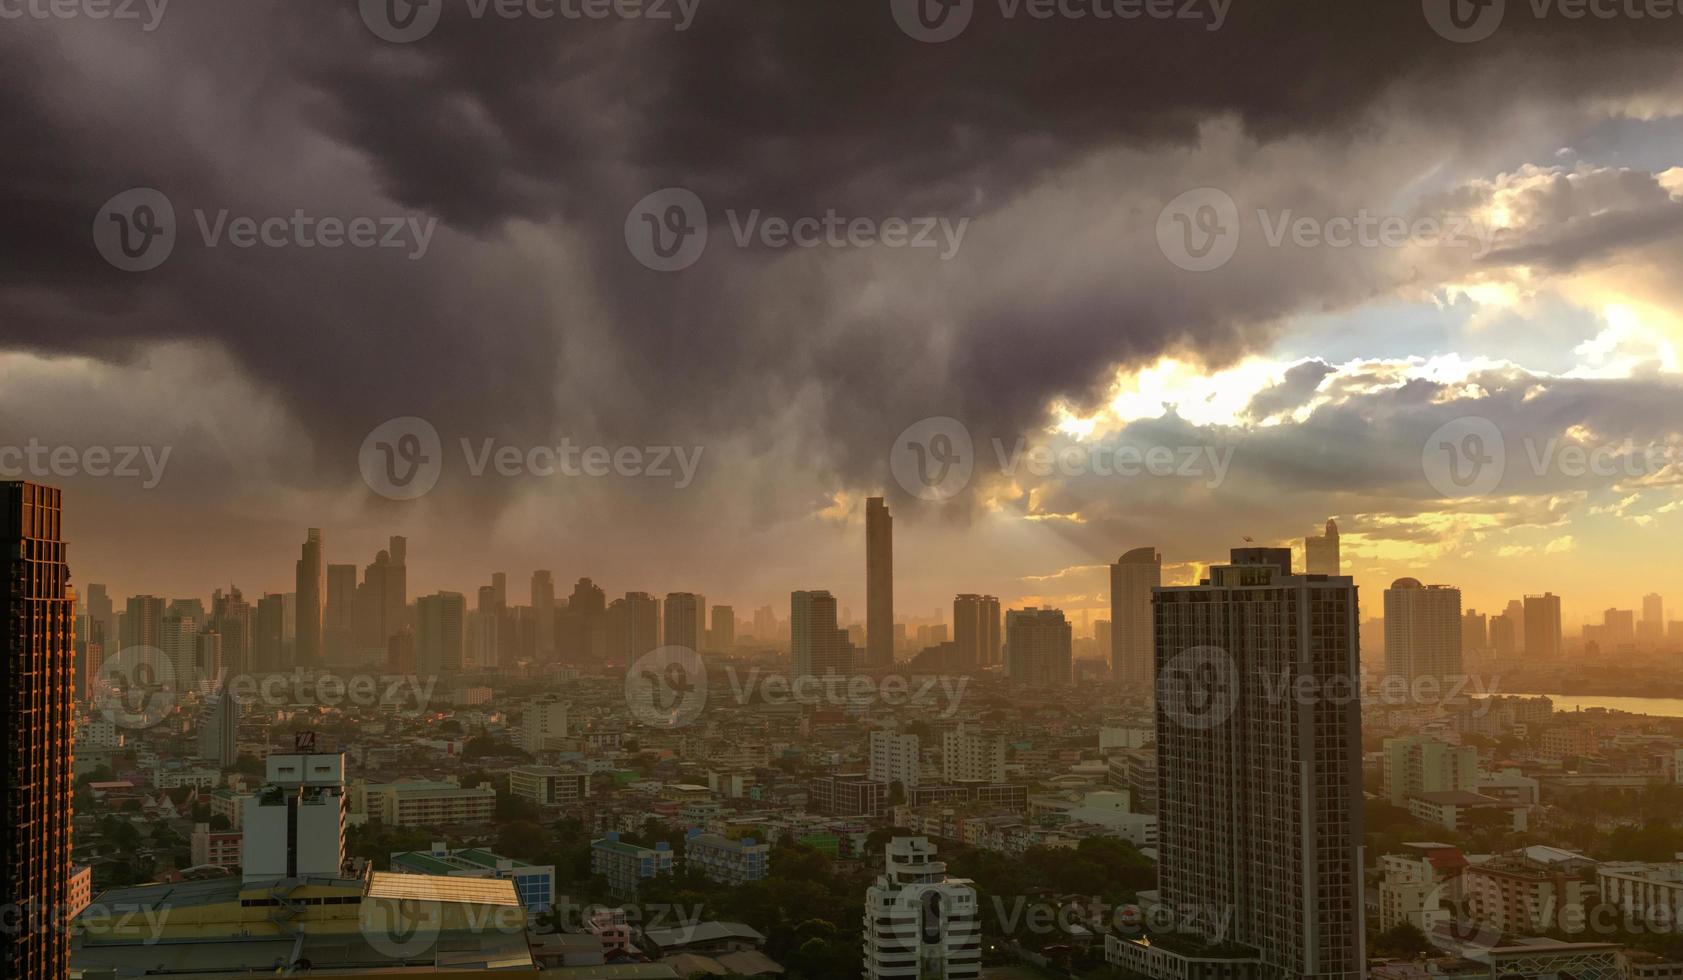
431,888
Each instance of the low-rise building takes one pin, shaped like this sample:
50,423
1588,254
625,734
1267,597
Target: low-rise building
424,803
534,883
727,861
626,866
222,848
549,785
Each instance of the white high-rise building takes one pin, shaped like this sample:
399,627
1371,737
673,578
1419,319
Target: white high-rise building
968,754
295,826
1422,632
895,758
546,720
919,923
1132,578
219,721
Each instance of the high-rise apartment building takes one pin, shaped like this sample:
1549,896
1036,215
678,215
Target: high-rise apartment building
1320,552
976,630
142,623
37,606
440,622
642,624
1504,635
1422,632
919,923
230,617
685,614
879,583
818,647
1038,647
895,758
219,721
1259,786
1651,630
311,603
1132,578
1475,632
1423,764
1541,639
268,636
1515,612
967,754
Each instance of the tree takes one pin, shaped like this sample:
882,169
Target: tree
522,840
1403,941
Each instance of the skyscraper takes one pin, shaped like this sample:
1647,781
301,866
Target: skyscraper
1422,631
311,603
543,613
268,635
38,609
143,623
219,721
1652,628
1038,647
642,624
1475,631
879,583
1259,786
382,604
976,630
440,620
1320,552
338,634
818,647
686,617
1541,638
230,617
1132,578
721,634
581,628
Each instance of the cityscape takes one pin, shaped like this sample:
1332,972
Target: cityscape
867,490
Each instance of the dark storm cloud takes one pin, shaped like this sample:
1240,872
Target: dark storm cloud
500,127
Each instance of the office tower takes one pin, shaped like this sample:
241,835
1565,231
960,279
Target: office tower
879,583
1504,635
1422,632
294,828
581,629
1422,764
310,603
1132,578
543,614
1475,631
1541,636
400,651
1259,790
684,617
1320,552
642,624
967,754
382,604
268,635
895,758
439,621
219,722
919,923
817,646
1038,647
338,636
1516,613
230,617
721,635
765,624
499,588
143,623
179,642
38,608
976,630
